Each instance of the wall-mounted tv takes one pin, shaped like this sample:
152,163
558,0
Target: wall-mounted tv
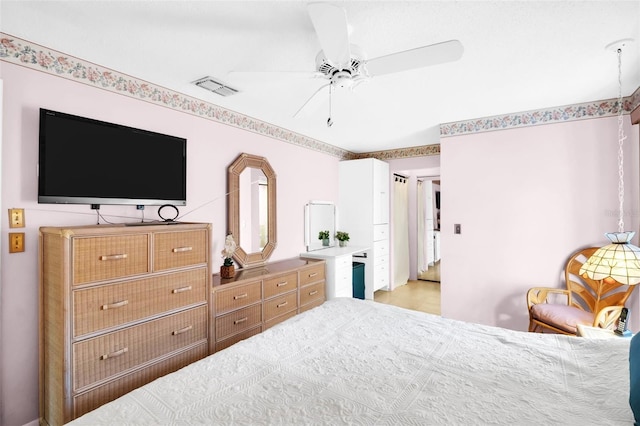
86,161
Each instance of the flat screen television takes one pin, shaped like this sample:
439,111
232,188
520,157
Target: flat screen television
86,161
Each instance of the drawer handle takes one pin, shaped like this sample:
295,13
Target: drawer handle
181,249
285,303
182,330
283,283
115,354
239,321
313,293
313,274
181,289
114,256
115,305
241,296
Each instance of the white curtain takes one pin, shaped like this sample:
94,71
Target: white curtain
400,232
423,266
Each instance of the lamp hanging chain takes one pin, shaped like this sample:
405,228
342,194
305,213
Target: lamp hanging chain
621,138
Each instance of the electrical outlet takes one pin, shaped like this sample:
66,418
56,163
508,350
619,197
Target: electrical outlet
16,242
16,218
457,228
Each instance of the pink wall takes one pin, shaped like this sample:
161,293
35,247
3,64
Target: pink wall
211,148
553,190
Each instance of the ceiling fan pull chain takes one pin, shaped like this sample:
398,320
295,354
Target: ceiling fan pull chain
329,121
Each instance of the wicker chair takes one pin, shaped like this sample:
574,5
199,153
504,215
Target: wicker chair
584,301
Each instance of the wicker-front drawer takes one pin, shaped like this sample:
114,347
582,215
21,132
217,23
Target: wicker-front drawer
237,321
110,305
94,398
236,297
102,357
109,257
224,344
311,293
179,249
280,305
312,274
280,284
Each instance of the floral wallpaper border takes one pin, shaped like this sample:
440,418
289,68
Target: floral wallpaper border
20,52
583,111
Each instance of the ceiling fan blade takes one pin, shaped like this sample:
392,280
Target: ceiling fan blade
310,98
330,23
447,51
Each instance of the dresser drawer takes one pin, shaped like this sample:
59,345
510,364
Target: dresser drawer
308,306
312,292
106,306
179,249
238,297
280,305
85,402
238,321
380,248
312,274
103,357
380,232
280,284
381,275
103,258
279,319
224,344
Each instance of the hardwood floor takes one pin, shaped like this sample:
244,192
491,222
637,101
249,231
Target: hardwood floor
416,295
432,274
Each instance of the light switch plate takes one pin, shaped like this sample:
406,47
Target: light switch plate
16,242
16,218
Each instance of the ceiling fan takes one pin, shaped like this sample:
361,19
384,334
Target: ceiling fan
342,64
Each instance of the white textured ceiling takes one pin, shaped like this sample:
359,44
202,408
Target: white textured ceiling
519,56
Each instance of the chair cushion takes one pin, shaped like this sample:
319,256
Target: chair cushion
634,377
562,317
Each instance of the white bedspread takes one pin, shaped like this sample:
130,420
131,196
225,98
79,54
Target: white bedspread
360,362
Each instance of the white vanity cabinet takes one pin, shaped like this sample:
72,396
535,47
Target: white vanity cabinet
339,268
364,213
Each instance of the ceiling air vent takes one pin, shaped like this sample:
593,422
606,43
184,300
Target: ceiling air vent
215,86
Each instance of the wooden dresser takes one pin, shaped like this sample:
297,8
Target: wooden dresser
120,306
261,297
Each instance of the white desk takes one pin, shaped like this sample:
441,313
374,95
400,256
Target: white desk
339,267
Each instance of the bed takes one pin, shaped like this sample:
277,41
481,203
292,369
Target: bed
352,361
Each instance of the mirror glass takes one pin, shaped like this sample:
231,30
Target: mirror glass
254,212
319,216
252,209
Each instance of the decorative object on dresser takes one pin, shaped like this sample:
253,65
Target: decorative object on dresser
120,306
251,178
261,297
227,270
364,211
342,237
324,236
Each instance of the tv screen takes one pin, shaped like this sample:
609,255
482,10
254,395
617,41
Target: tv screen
86,161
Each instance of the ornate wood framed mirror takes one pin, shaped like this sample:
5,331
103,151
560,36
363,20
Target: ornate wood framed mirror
251,209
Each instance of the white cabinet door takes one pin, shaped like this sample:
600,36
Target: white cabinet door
380,192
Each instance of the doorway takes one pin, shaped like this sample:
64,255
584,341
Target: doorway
428,203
